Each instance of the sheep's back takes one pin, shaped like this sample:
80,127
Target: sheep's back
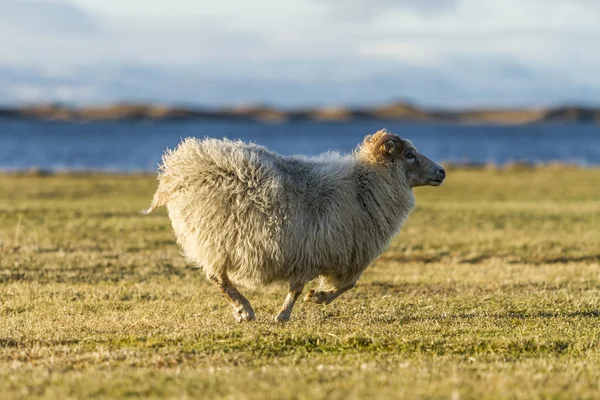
225,207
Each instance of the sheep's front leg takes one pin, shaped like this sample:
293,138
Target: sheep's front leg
242,310
288,304
326,297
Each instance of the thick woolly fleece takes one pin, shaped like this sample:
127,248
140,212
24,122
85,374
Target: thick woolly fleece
242,210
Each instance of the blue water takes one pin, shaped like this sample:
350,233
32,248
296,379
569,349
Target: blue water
131,146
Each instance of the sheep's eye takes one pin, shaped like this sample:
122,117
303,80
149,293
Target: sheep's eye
410,156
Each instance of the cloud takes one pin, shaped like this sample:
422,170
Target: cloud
455,52
368,9
464,82
44,17
60,35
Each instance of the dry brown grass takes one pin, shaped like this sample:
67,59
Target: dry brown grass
491,290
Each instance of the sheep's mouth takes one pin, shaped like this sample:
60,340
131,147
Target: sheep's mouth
435,182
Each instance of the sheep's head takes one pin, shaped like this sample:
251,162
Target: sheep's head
393,151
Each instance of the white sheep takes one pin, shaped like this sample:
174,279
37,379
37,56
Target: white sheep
249,216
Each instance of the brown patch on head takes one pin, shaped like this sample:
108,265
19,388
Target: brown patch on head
384,148
380,147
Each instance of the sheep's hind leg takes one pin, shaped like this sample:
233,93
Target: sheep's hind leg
326,297
288,304
242,310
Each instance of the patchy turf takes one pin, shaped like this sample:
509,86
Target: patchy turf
491,290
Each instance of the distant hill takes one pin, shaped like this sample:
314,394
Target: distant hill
389,112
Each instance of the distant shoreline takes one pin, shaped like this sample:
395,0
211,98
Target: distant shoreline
389,112
522,166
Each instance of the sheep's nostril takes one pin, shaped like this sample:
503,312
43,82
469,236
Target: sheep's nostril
442,172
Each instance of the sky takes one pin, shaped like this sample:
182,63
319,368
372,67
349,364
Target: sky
433,53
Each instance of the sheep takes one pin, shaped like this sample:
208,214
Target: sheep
251,217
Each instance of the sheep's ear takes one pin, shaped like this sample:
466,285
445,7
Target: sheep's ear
387,149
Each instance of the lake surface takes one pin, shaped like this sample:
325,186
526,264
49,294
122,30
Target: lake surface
137,146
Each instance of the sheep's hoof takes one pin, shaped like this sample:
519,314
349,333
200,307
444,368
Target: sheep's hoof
243,315
317,297
282,317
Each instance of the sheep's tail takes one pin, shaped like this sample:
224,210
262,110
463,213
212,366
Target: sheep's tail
167,186
161,198
177,167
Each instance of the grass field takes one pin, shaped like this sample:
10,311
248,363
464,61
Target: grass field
492,290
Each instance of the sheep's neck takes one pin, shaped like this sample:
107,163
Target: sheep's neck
385,196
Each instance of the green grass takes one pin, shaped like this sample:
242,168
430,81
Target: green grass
492,289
